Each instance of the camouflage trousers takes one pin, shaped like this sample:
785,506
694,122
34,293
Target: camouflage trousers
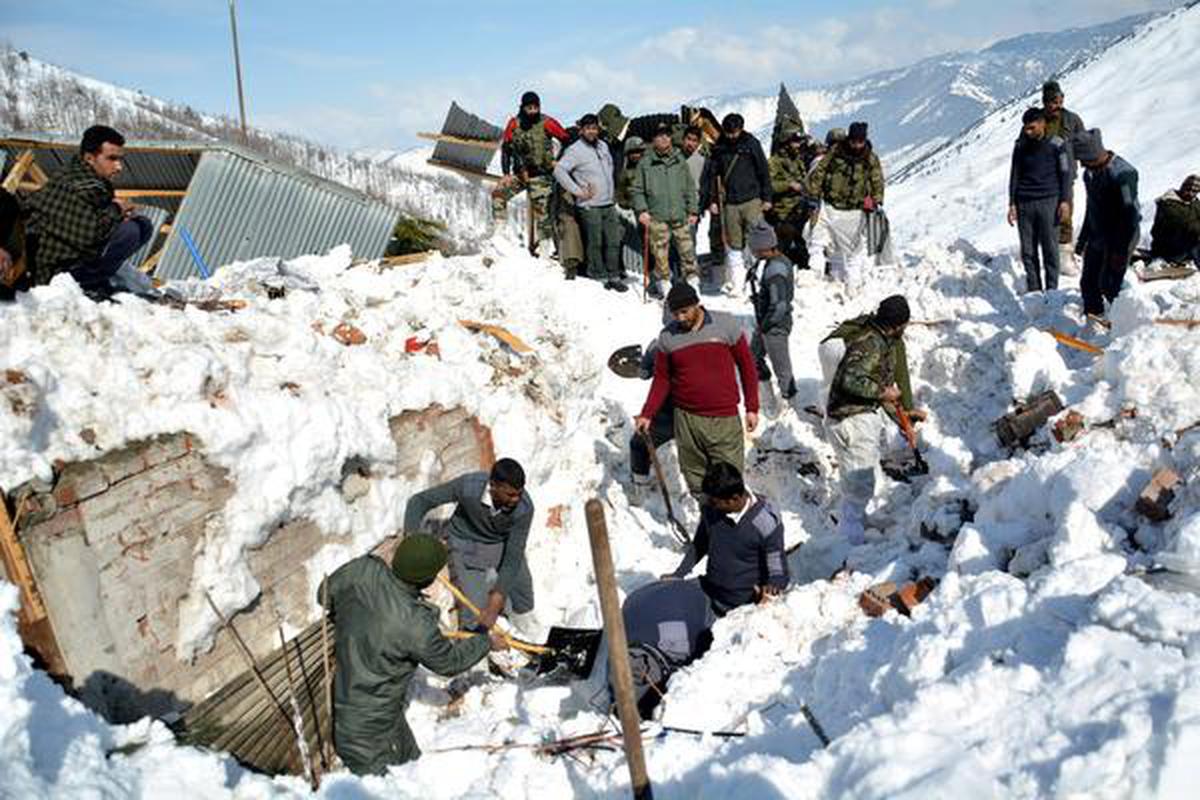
661,236
540,187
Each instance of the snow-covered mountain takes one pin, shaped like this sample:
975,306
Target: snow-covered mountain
1141,92
915,109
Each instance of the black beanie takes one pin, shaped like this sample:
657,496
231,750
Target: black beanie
893,312
681,296
733,122
858,132
531,99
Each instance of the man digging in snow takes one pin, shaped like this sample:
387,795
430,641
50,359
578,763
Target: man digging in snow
701,357
848,182
741,534
871,378
384,630
488,531
771,293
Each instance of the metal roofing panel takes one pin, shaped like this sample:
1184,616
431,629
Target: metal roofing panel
240,206
465,125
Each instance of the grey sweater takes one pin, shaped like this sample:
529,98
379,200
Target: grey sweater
476,522
582,165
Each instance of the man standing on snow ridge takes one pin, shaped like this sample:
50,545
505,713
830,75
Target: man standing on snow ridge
871,378
697,153
1175,236
384,630
527,161
488,531
771,294
789,198
1039,195
1112,225
81,226
664,198
741,535
737,185
848,182
586,171
701,357
1066,125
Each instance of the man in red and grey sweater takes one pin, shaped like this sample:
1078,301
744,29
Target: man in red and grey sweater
701,356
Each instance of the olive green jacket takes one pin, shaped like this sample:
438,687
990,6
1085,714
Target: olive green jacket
384,629
843,179
663,185
873,361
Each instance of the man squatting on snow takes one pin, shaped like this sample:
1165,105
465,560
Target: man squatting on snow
870,379
1175,236
701,356
488,531
383,630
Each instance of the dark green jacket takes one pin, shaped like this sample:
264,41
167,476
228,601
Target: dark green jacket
872,362
663,185
786,170
384,629
843,179
1176,231
475,522
73,216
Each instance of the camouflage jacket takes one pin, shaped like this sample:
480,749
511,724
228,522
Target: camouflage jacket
787,170
843,179
73,216
872,362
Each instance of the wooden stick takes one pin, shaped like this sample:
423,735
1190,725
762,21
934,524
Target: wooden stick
1071,341
681,531
645,262
1181,323
513,642
249,658
618,650
135,193
483,176
17,173
816,725
482,144
16,567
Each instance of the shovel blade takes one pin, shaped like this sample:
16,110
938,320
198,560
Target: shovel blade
572,654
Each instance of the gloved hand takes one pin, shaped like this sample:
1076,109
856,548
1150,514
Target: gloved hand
869,204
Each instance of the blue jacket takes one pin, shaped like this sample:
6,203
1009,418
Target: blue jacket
1114,218
742,554
772,295
1041,169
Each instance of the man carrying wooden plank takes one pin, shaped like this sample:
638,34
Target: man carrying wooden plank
488,531
385,629
81,226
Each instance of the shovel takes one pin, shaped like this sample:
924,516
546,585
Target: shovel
627,361
918,466
677,529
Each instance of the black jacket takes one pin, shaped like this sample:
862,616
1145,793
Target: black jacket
743,170
1113,219
1041,169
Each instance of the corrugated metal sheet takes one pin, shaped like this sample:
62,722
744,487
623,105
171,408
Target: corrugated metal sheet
240,207
157,217
465,125
238,204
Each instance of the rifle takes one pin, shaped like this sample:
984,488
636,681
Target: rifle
721,212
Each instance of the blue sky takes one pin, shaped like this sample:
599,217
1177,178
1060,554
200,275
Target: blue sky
369,73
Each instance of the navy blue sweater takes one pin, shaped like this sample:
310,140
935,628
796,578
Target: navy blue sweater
1114,217
741,555
1041,169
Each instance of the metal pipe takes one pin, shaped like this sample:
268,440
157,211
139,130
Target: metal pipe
237,67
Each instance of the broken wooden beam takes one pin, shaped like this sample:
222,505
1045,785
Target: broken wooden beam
484,176
498,332
483,144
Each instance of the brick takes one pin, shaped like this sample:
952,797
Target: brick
910,595
120,464
79,482
1155,500
875,601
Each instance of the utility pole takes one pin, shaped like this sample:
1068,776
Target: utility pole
237,67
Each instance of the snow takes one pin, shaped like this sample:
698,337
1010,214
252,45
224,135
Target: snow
1044,663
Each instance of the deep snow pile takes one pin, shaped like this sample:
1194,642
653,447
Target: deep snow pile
1142,94
1038,666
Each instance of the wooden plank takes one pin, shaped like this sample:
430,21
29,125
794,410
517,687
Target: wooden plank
17,173
408,258
135,193
73,148
482,144
39,175
498,332
16,565
1071,341
485,176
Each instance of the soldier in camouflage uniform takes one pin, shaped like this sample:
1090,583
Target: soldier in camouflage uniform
384,630
871,377
789,198
666,202
527,155
848,182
